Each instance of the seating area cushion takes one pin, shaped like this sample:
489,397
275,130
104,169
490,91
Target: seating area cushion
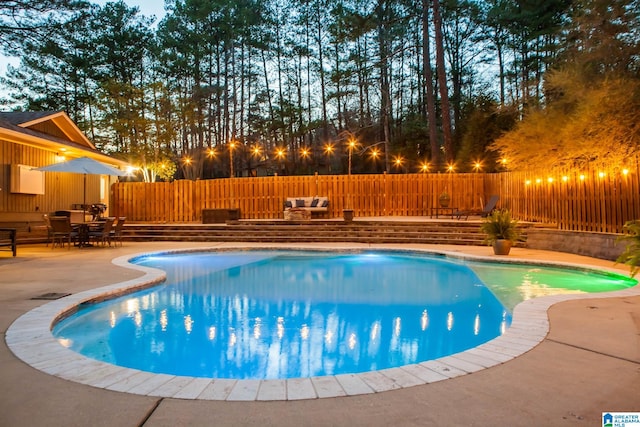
299,203
314,203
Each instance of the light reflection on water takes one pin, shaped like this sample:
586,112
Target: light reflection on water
513,284
286,315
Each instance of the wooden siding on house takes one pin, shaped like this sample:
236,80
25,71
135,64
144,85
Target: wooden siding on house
48,128
62,190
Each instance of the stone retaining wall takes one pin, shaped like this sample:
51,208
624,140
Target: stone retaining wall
597,245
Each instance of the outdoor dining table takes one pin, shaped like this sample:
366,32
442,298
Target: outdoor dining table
83,229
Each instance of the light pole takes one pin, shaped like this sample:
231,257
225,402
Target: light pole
374,156
304,155
232,145
256,152
352,145
375,153
280,154
328,150
398,161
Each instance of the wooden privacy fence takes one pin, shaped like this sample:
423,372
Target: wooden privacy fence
588,203
583,201
263,197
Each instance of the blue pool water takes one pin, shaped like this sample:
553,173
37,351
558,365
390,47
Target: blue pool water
271,314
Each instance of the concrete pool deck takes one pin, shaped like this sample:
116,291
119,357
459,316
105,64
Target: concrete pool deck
588,363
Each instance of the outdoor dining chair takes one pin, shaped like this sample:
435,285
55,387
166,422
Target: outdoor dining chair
47,224
62,231
103,234
116,232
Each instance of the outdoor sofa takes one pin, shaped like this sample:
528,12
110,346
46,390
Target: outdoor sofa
316,205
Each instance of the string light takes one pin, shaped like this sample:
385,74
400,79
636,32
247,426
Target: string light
581,177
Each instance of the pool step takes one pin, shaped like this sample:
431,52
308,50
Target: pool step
412,232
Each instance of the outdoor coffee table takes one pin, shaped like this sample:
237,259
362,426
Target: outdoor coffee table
435,211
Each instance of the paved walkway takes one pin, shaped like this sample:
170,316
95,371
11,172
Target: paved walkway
589,363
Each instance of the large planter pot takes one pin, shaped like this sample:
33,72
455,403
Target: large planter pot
502,247
347,214
444,200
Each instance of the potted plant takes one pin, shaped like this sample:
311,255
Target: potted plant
500,231
631,253
444,199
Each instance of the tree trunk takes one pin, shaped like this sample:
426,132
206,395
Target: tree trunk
442,83
428,86
385,86
323,87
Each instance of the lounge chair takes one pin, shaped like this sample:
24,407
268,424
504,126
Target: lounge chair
484,212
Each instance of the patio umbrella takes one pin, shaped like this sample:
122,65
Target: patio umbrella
83,165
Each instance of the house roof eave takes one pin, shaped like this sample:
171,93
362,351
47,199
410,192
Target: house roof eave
65,124
60,147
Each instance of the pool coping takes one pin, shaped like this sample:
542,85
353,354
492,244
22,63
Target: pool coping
30,339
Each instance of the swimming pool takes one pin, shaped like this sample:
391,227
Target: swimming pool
282,314
30,339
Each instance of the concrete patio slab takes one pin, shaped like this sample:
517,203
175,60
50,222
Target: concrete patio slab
587,364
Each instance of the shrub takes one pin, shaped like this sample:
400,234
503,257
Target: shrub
631,254
500,226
